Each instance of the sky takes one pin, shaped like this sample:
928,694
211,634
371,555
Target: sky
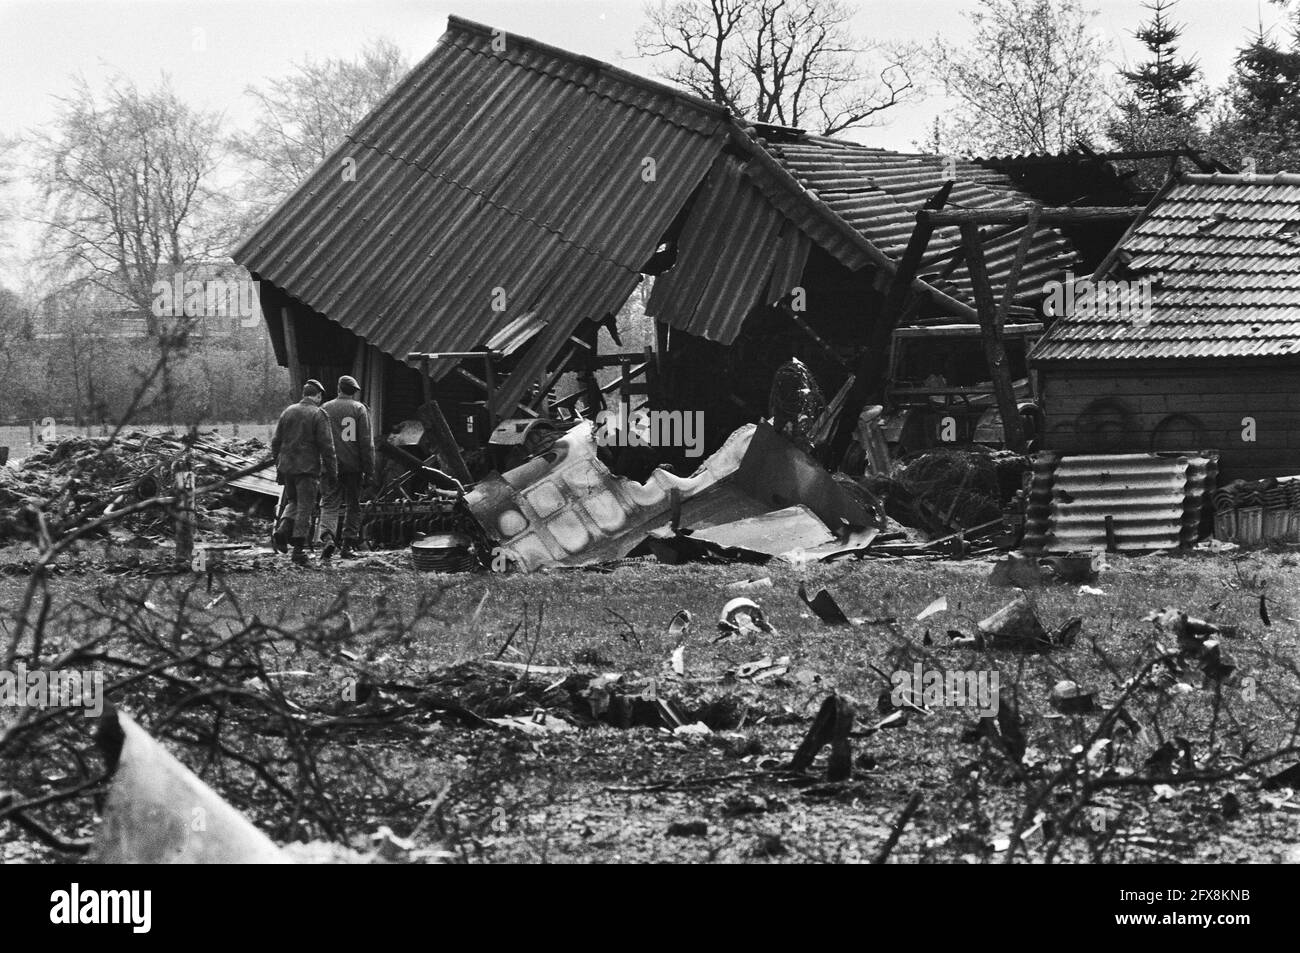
214,49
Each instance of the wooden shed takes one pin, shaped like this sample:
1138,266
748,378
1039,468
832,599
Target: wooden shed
1191,335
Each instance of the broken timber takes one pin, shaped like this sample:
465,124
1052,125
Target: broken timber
991,326
1018,216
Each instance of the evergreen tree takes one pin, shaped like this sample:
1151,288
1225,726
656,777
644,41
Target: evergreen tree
1162,99
1164,82
1262,118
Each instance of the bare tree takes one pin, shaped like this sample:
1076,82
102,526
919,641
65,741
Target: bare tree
786,62
1030,80
8,154
127,188
305,115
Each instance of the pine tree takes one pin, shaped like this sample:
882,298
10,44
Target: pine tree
1262,122
1163,83
1162,99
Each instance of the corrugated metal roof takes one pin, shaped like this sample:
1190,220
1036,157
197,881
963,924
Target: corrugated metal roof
1222,253
879,192
1154,502
736,248
456,195
500,188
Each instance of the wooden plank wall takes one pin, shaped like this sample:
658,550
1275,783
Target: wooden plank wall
1118,410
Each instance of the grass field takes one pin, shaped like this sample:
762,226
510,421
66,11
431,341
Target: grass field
608,794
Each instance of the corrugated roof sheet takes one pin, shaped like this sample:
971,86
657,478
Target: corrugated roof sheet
879,192
486,169
1222,253
499,189
736,248
1154,502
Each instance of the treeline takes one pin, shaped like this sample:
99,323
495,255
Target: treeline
92,382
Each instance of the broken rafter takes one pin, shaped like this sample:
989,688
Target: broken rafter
1018,216
1017,265
994,350
817,339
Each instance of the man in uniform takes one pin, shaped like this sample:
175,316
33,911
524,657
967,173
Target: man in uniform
304,450
350,424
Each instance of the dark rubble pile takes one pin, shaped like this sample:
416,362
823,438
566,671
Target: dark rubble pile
78,479
943,489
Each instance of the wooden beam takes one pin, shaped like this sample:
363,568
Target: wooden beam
446,440
871,370
817,339
1017,265
1047,216
296,378
994,351
873,366
955,255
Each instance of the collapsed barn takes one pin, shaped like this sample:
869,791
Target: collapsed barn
1208,355
472,236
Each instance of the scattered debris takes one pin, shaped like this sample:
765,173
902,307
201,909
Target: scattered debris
692,828
1069,631
742,616
1015,626
744,585
1028,572
1069,699
763,668
935,607
795,528
75,480
680,624
1286,778
832,726
824,606
157,811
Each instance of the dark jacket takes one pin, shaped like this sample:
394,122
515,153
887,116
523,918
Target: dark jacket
350,422
302,444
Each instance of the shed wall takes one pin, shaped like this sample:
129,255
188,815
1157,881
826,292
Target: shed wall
1125,409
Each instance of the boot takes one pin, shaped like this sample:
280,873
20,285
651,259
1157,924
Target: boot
299,556
280,538
347,552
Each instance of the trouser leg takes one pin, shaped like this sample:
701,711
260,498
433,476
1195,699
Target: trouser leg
331,508
304,507
351,490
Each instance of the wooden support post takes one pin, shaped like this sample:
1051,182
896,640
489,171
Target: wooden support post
296,378
871,371
445,439
869,378
185,521
994,351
